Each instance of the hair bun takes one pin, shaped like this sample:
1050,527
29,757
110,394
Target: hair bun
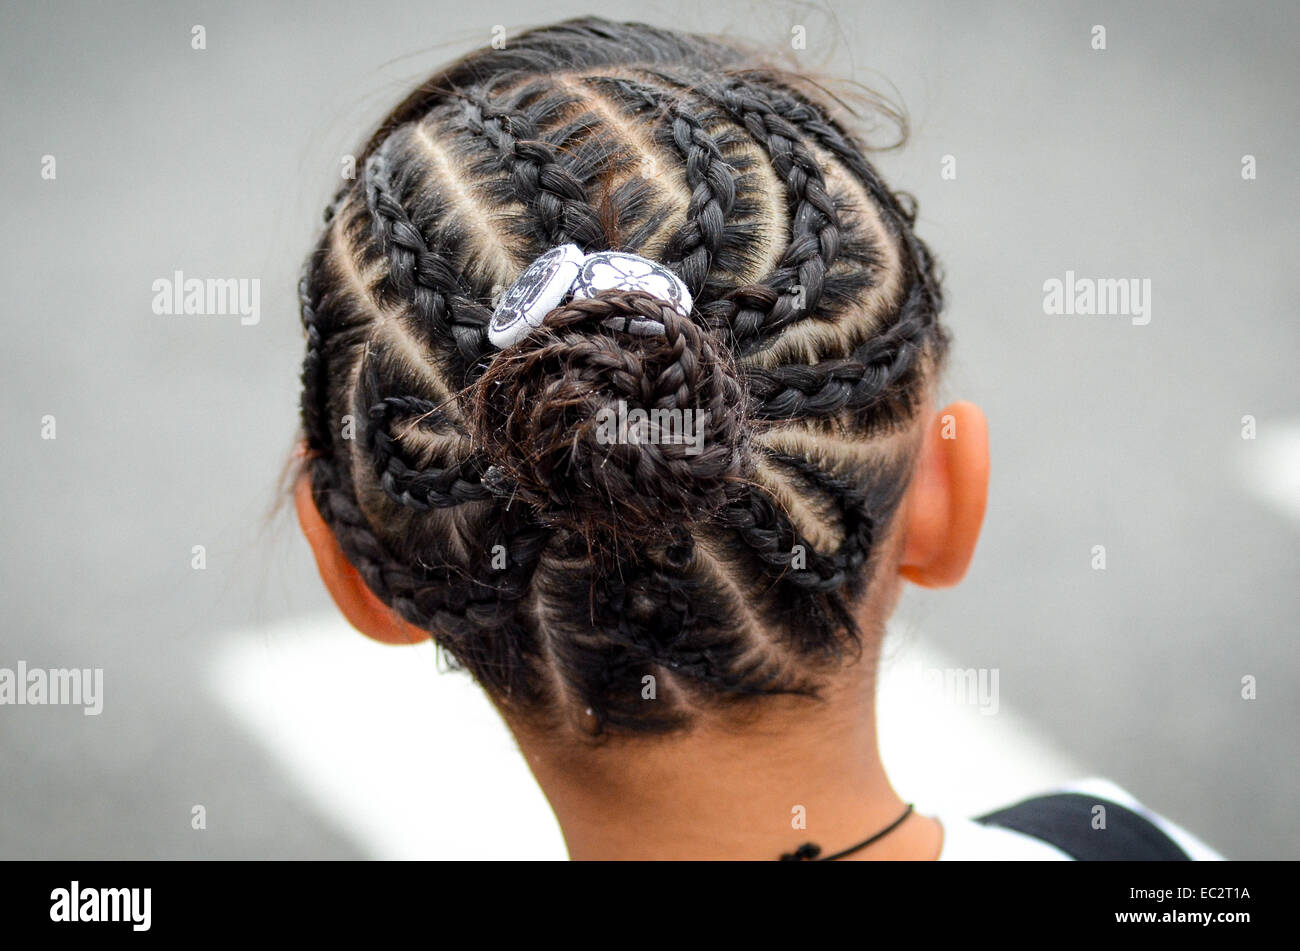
604,431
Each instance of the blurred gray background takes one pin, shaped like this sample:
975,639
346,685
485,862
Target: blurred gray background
173,431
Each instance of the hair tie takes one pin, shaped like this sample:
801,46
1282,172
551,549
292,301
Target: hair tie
565,272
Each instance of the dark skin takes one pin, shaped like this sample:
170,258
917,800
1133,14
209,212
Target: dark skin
727,789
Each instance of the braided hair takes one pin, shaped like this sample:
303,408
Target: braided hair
469,486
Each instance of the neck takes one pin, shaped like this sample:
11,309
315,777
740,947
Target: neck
737,793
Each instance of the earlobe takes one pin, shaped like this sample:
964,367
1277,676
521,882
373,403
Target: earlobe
945,503
349,590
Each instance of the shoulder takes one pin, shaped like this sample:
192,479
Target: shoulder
1056,815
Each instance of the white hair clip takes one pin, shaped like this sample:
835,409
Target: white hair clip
536,292
565,272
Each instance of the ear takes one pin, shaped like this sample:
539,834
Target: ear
354,598
945,502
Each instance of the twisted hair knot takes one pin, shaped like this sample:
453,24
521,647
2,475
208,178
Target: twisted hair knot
605,431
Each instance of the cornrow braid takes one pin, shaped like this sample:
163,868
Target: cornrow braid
420,489
460,604
815,230
561,212
592,506
314,378
876,377
827,133
711,179
418,273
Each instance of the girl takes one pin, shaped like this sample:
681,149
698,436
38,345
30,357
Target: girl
619,384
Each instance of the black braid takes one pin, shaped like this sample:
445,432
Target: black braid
819,595
472,609
563,214
713,195
419,489
825,132
690,253
419,275
660,613
857,523
876,377
883,365
815,226
769,533
405,483
314,377
830,136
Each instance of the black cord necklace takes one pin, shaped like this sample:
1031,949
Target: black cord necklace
809,851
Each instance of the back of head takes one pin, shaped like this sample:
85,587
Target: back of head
521,504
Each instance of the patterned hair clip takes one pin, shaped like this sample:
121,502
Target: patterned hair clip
534,294
565,272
